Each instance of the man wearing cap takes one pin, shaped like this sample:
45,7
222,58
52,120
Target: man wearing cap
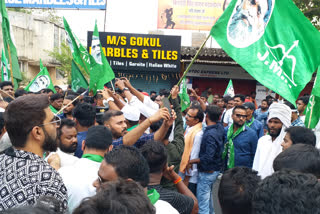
251,121
132,115
295,118
269,146
79,177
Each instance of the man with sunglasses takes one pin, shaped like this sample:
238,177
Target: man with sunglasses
24,175
241,141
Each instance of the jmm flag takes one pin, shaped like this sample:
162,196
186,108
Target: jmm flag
313,107
5,73
77,78
273,41
41,81
101,72
9,46
229,90
184,97
79,53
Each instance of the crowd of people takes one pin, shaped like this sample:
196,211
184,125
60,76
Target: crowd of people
127,151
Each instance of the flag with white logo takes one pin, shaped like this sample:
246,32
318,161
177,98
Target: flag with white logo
229,90
313,107
273,41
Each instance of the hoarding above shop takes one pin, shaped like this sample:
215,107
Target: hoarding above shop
64,4
189,14
143,52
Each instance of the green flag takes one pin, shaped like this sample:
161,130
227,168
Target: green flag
9,46
79,53
100,72
313,107
5,73
273,41
184,97
77,79
229,90
41,81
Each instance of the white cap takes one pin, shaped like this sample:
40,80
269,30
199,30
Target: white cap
131,113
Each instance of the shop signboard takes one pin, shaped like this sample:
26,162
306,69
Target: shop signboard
63,4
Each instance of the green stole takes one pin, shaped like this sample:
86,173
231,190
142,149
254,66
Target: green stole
129,129
229,147
250,123
96,158
153,196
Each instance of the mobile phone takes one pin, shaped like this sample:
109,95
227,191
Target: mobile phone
166,103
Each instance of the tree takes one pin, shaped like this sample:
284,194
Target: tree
311,9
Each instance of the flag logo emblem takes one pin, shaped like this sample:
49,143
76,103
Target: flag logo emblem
248,22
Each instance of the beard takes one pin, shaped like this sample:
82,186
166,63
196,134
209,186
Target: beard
68,149
274,133
116,134
49,143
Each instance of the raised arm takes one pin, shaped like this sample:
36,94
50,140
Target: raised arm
202,104
134,91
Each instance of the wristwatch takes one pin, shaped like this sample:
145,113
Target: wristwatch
110,99
125,89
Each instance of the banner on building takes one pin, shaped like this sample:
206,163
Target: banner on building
188,14
69,4
142,52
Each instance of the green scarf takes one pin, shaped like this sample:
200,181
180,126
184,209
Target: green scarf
53,109
129,129
250,123
229,147
96,158
153,196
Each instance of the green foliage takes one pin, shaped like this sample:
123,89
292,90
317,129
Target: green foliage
311,9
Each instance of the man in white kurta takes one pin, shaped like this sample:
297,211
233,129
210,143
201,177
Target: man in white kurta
269,146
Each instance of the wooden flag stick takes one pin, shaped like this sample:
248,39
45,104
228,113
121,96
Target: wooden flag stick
192,61
112,86
7,94
70,103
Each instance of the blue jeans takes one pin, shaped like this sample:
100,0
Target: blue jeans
204,191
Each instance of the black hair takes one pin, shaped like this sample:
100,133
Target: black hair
5,83
287,192
72,97
241,96
164,92
156,125
111,113
226,99
1,121
46,91
236,190
56,96
20,92
213,113
153,92
56,86
98,137
200,114
129,163
22,115
299,157
291,106
65,122
265,100
115,197
153,97
302,135
304,99
238,107
85,114
156,155
81,90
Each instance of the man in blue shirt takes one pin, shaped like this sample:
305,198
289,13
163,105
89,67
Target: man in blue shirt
261,114
241,141
85,116
251,121
209,161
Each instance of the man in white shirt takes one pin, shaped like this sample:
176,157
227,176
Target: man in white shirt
238,100
127,162
67,143
79,177
269,146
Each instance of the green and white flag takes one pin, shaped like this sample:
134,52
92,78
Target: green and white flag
5,73
79,53
101,72
229,90
313,107
77,78
184,97
9,46
273,41
41,81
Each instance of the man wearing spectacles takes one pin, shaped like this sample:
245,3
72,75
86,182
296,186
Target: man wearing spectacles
241,141
24,175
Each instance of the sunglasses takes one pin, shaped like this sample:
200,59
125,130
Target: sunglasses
241,115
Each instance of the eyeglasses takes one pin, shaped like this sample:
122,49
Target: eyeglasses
190,116
56,119
240,115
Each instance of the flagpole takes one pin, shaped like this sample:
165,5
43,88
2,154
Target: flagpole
69,104
312,103
7,94
11,73
192,61
112,86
